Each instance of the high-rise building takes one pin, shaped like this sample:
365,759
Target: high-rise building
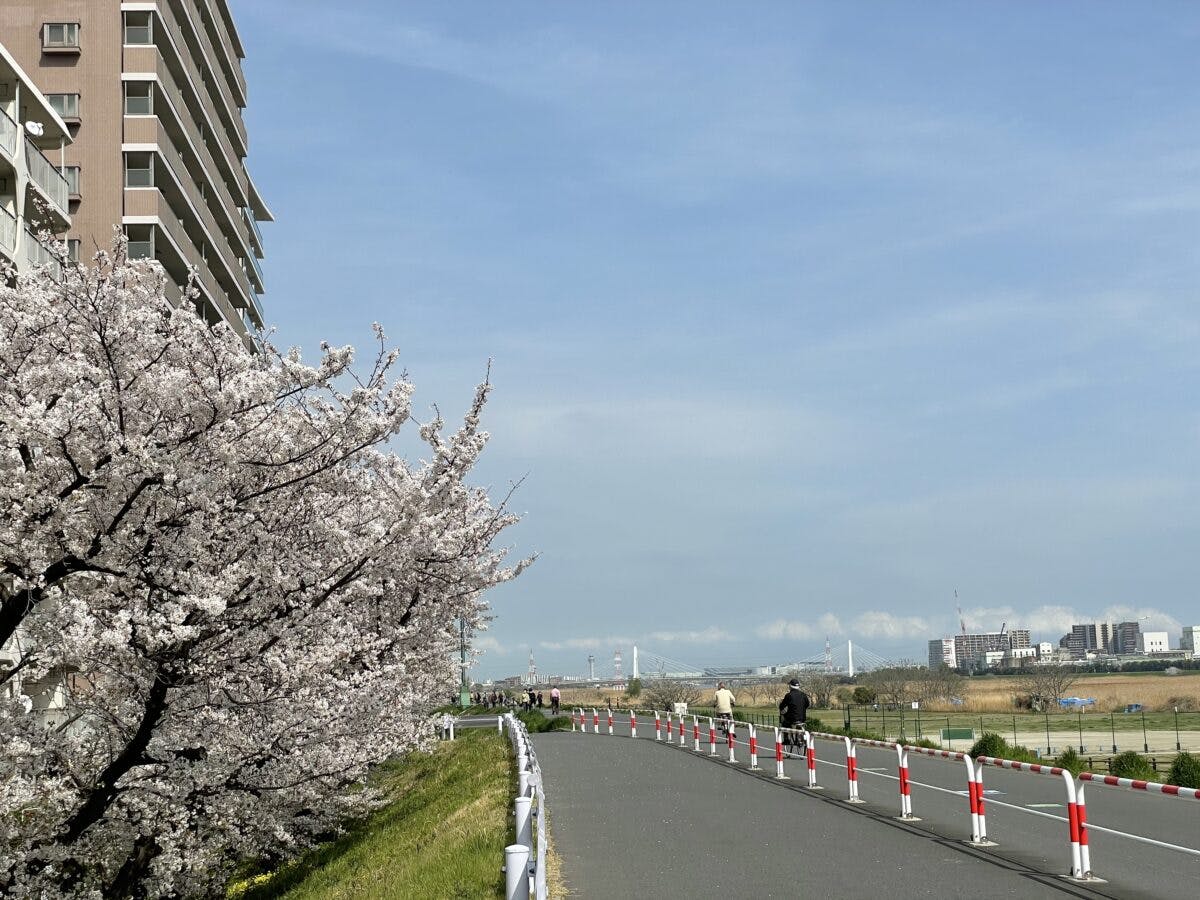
972,649
941,653
1187,640
1127,637
33,190
153,94
1091,637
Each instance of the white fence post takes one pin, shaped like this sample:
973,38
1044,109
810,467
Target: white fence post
516,872
522,808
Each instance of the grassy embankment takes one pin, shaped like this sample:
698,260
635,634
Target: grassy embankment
443,834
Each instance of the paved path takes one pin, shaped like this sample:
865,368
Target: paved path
633,818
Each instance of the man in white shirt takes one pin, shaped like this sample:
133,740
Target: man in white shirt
723,700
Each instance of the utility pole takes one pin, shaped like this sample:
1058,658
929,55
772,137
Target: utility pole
464,687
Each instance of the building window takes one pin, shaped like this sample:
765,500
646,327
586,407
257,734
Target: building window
73,249
66,105
139,170
139,98
71,173
60,36
138,29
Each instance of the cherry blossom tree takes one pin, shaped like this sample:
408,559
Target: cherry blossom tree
244,598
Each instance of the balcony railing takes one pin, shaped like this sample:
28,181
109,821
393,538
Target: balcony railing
8,231
46,176
38,255
257,268
248,215
9,130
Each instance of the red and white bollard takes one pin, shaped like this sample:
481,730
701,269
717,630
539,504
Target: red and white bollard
1085,853
1081,862
712,738
852,772
595,721
779,756
906,812
753,747
657,726
667,729
696,733
975,794
610,722
732,741
632,723
682,730
810,759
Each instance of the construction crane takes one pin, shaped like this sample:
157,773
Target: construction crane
962,623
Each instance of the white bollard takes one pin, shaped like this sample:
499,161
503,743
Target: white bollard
522,782
451,728
522,807
632,723
516,872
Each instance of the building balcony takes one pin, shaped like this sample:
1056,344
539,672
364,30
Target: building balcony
168,125
8,233
156,232
10,133
166,173
44,176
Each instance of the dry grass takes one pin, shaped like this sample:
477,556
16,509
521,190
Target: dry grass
1112,692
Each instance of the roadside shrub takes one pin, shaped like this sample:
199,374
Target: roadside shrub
1070,760
633,688
1182,703
1185,771
1131,764
992,744
989,744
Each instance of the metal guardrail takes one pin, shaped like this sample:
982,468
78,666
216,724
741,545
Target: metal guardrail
525,861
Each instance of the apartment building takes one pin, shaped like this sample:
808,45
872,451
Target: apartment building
33,190
152,94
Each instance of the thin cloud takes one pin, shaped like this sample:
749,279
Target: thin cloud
710,635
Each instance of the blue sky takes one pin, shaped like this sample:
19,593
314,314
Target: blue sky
803,315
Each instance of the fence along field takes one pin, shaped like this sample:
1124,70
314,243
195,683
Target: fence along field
988,705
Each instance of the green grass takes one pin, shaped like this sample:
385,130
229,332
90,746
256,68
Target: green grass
442,835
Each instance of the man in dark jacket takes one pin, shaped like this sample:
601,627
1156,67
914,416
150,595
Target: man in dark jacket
793,712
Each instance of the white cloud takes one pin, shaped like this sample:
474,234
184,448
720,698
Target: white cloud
884,625
828,625
709,635
488,644
586,643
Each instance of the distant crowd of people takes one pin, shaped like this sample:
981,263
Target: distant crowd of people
526,700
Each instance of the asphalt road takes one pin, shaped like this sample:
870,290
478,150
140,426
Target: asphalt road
630,815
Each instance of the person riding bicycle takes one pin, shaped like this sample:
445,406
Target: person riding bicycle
793,713
723,700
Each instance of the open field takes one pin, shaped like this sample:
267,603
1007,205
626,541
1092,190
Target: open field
992,693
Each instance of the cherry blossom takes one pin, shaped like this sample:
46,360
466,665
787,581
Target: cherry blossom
244,599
